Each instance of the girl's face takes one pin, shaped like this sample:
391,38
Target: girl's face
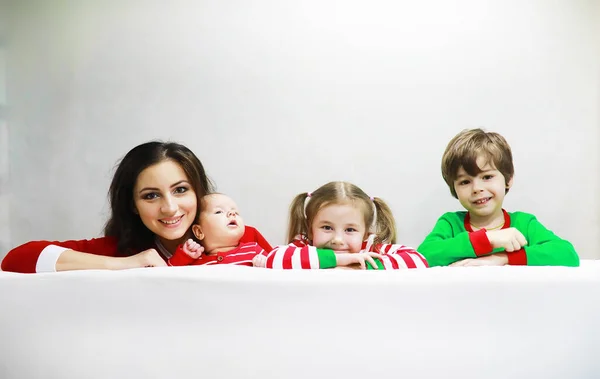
339,227
166,202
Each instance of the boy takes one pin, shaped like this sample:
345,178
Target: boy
478,168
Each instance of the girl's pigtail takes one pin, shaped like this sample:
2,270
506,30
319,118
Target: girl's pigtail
297,223
385,224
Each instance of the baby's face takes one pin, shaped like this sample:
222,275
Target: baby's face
221,222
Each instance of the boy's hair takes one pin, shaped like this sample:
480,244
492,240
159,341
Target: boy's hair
377,214
464,149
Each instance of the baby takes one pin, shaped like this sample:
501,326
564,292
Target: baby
219,229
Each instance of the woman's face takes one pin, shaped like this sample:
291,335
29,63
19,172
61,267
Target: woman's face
166,202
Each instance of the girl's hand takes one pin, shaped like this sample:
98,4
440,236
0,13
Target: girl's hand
347,259
499,259
259,260
193,249
355,266
509,239
147,258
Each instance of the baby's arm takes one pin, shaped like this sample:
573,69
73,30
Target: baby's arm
186,254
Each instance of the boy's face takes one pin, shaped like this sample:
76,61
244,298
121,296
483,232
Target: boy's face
220,224
482,195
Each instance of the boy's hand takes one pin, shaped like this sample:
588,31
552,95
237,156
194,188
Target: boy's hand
193,249
347,259
509,239
499,259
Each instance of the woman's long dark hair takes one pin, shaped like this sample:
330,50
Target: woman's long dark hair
124,224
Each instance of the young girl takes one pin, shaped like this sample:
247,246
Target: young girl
220,229
338,225
154,198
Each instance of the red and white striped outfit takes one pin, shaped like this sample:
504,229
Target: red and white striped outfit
300,255
241,255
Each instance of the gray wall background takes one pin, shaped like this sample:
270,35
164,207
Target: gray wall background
279,97
4,186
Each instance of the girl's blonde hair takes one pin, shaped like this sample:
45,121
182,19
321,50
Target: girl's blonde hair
377,214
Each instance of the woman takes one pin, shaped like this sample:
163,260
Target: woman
154,198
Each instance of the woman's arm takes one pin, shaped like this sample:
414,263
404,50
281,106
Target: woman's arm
51,256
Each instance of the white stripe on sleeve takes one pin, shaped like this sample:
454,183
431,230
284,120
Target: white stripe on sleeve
313,257
278,258
46,262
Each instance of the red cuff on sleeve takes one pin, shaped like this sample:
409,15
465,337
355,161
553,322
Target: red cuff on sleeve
180,258
481,244
518,257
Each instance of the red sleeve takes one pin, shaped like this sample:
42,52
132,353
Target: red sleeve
481,243
253,235
24,258
518,257
180,258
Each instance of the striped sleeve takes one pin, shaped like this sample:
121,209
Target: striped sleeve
300,257
399,257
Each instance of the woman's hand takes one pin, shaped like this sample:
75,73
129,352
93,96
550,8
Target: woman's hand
147,258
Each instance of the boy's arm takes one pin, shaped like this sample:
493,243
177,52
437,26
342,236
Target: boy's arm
544,248
445,245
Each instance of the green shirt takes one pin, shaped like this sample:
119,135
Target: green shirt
449,242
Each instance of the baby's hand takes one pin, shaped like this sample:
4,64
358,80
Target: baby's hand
509,239
193,248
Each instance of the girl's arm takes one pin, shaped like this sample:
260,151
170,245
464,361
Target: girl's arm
398,257
393,257
300,257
